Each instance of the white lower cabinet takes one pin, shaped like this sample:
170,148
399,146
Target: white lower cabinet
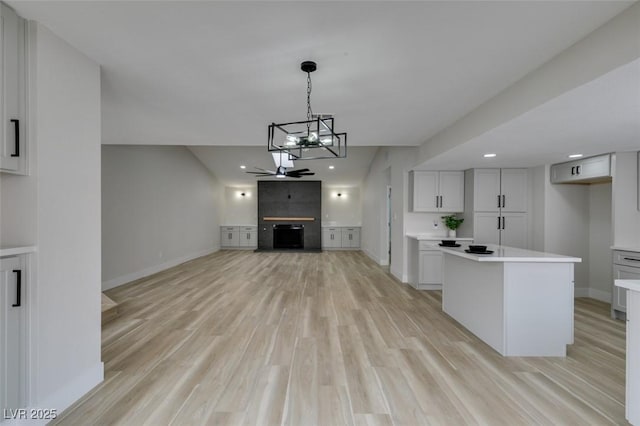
340,237
350,237
238,236
12,318
248,236
626,266
430,267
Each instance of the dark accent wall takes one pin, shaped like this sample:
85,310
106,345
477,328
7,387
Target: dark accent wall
290,199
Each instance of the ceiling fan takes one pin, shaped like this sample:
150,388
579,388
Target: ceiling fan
282,163
281,172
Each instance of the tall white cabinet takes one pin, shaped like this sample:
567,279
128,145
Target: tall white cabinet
12,328
436,191
496,207
13,152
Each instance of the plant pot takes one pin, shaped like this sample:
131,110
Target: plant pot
452,233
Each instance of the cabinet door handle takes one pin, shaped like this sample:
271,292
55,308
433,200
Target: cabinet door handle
504,200
573,170
498,222
578,170
503,222
631,259
498,200
441,201
16,149
18,273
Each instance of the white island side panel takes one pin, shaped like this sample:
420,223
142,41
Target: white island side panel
538,308
472,294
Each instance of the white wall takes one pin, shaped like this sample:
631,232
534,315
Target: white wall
161,207
343,210
566,226
389,166
616,43
626,217
600,241
64,297
238,209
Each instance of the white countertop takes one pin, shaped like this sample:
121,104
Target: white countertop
431,237
628,284
511,254
241,225
628,248
16,250
341,226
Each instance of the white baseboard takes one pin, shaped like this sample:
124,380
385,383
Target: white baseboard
124,279
592,293
65,396
399,275
375,258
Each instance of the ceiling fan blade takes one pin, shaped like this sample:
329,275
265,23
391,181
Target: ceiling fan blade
299,170
261,173
266,171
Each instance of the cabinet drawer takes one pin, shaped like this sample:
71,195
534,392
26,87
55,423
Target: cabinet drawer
249,228
428,245
626,258
229,228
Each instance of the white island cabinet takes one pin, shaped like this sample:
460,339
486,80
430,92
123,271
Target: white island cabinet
632,287
425,259
519,302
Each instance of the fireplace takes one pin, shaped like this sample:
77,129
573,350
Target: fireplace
288,237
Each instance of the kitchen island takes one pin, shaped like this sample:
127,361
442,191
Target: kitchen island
519,302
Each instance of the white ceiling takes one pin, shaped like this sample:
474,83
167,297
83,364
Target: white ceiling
600,116
225,162
393,73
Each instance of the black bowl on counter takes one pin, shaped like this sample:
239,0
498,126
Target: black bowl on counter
477,248
451,243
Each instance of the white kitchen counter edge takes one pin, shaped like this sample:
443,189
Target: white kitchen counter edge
512,254
629,284
14,251
424,237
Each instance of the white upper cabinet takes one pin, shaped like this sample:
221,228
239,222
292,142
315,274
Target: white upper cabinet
434,191
486,190
513,190
12,92
500,190
592,169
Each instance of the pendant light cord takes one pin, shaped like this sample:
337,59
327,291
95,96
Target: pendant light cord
309,112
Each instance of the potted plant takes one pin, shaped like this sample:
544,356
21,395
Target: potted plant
452,222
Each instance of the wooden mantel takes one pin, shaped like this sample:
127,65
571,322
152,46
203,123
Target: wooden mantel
282,219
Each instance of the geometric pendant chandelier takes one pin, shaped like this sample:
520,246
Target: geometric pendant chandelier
311,139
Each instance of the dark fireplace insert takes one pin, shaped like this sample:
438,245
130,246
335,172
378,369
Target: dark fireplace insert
288,237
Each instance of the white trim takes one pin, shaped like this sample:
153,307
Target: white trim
603,296
65,396
580,292
403,278
373,257
124,279
592,293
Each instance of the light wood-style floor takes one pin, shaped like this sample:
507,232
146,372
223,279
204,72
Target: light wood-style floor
301,339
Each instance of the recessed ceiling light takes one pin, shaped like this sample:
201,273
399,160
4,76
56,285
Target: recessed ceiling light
489,155
243,167
575,155
331,167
